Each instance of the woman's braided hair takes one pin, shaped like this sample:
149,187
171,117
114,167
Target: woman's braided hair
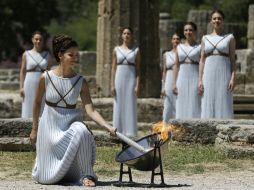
61,43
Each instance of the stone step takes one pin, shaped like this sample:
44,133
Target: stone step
243,99
149,109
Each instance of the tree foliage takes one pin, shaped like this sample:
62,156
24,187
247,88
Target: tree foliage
19,19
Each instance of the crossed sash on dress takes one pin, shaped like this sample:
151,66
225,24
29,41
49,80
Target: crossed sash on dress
125,58
188,57
171,67
38,64
211,53
68,106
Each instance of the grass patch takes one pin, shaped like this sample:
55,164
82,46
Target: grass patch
188,159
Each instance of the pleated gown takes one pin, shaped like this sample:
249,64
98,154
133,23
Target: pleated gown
217,100
169,98
36,63
188,102
65,148
125,101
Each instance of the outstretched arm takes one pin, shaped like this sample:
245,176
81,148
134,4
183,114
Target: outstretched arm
36,109
90,110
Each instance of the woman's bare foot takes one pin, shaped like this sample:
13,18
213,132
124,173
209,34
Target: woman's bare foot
89,182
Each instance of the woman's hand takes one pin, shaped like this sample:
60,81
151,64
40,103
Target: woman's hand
175,91
113,91
200,88
163,93
136,91
231,85
33,136
112,131
22,92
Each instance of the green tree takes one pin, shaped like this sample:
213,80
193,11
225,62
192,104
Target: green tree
79,20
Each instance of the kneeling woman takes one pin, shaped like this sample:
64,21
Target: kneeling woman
65,148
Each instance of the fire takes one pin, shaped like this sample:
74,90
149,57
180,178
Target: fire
164,129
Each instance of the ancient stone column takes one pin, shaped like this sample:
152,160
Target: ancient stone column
250,34
143,17
200,18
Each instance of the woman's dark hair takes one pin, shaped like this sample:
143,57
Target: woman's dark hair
127,27
37,32
61,43
218,11
193,25
177,34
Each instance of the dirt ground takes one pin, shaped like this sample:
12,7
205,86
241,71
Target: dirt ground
237,180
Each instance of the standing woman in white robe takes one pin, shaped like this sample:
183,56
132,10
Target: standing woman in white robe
125,84
185,84
217,71
169,58
34,63
65,147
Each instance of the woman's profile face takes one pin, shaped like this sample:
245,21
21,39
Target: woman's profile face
126,35
37,41
217,20
70,56
189,31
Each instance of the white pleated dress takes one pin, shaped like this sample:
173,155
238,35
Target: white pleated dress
169,98
188,102
36,63
125,101
65,148
217,100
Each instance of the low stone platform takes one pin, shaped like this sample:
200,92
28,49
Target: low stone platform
234,137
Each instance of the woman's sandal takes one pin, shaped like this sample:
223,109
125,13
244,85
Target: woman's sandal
88,181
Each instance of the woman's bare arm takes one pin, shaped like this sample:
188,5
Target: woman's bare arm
137,61
36,109
113,72
22,75
231,85
90,110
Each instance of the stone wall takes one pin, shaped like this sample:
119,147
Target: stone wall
234,137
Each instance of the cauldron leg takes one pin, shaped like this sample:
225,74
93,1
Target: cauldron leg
125,172
124,145
157,147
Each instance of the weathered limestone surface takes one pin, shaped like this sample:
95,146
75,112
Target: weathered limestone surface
236,139
149,109
9,79
250,33
200,18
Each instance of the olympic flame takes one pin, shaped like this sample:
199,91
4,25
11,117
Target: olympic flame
164,129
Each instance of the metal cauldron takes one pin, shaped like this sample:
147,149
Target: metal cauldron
143,161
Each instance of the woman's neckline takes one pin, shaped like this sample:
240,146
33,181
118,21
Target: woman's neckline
64,77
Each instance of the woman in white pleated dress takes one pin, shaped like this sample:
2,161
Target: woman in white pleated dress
65,147
34,63
185,84
217,71
125,84
169,58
